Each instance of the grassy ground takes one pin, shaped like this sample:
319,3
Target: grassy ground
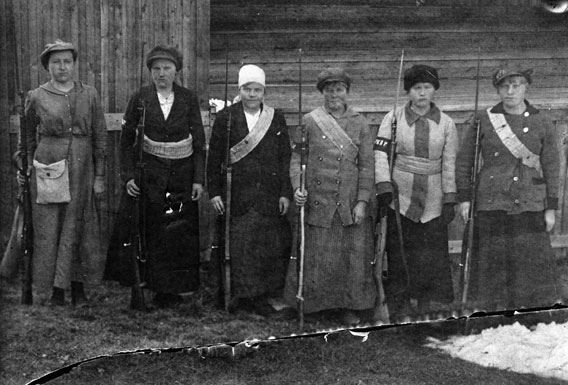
39,339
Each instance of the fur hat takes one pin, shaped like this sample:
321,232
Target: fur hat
421,73
58,45
332,75
167,53
250,73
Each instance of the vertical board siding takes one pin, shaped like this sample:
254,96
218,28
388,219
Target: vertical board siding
113,38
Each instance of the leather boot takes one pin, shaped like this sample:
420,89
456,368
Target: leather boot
78,294
57,297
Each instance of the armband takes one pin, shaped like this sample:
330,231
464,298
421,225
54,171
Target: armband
382,144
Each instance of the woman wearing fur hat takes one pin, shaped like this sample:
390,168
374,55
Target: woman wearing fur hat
260,193
65,125
517,194
424,171
339,183
174,166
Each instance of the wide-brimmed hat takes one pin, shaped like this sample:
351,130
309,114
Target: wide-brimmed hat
58,45
421,73
250,73
164,52
333,75
502,73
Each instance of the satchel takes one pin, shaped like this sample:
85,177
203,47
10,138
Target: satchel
52,182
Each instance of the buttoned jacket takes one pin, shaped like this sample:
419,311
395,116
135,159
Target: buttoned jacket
504,182
335,182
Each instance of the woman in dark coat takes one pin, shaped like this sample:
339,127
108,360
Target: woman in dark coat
517,194
424,171
174,167
260,193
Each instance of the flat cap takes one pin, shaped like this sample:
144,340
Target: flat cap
58,45
332,75
505,72
164,52
421,73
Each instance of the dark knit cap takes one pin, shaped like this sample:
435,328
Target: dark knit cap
58,45
333,75
505,72
167,53
421,73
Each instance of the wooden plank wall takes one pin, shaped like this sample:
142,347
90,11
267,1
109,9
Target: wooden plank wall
366,38
112,37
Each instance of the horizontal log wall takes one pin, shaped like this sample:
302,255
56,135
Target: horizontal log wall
113,38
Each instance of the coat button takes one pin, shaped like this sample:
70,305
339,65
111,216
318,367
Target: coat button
48,174
338,203
316,203
490,176
323,137
496,153
339,158
516,201
526,114
318,181
516,178
525,130
337,181
320,158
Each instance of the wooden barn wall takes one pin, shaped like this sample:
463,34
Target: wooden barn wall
366,38
113,38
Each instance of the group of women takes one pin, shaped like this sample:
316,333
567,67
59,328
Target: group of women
347,177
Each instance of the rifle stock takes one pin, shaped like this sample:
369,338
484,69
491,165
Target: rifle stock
138,258
228,169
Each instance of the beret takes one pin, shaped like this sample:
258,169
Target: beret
167,53
421,73
332,75
58,45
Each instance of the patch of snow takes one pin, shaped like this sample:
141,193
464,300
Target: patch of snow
541,350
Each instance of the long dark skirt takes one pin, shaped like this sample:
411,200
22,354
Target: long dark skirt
428,260
260,250
514,265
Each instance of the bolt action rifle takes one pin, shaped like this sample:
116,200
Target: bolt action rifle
301,215
381,242
469,231
228,171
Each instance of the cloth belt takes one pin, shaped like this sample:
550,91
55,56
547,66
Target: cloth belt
416,165
169,150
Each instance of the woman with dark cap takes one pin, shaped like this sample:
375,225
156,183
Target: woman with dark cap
424,171
517,194
174,164
339,184
66,127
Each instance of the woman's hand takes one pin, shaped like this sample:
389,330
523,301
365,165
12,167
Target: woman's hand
20,178
359,212
283,205
99,186
218,205
196,191
549,219
300,197
464,210
132,189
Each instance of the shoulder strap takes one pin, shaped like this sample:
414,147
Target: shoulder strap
249,142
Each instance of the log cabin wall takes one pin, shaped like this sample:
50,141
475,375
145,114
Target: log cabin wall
366,38
112,38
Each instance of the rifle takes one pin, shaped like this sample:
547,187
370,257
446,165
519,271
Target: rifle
138,258
228,186
301,224
395,198
27,237
469,231
27,230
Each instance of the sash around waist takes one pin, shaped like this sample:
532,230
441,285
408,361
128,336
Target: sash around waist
169,150
416,165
